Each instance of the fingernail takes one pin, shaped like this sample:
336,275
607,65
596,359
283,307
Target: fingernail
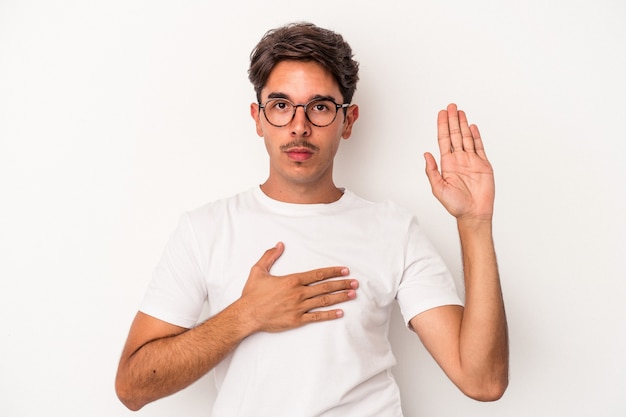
354,284
345,271
339,313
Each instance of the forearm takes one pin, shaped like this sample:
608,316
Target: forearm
166,365
483,341
160,359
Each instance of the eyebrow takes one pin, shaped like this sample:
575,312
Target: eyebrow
286,96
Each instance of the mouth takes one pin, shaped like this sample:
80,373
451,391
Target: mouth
299,154
299,151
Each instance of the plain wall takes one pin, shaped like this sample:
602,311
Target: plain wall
117,116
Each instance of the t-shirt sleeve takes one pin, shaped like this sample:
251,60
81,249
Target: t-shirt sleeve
426,282
177,291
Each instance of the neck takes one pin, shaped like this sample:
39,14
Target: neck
302,194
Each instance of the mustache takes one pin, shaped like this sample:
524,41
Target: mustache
299,144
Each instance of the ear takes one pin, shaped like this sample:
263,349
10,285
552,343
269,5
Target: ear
256,115
352,114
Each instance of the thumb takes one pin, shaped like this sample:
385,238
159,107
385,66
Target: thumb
432,171
270,256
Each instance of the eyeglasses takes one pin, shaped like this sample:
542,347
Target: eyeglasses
280,112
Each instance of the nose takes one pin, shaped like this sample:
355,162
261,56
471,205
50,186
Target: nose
300,125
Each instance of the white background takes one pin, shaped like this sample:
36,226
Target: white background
117,116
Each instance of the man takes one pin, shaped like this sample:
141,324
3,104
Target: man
289,343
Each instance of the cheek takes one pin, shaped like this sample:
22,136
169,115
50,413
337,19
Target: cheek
334,146
272,146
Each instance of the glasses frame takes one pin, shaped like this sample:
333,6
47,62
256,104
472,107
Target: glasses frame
304,106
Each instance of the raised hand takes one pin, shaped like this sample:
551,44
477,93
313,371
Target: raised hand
465,185
278,303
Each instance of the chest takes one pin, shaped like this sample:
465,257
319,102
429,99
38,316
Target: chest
373,255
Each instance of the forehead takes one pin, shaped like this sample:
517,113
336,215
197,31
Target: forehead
300,81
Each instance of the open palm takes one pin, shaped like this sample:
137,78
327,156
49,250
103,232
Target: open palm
465,185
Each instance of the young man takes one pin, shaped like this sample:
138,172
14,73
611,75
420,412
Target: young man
284,342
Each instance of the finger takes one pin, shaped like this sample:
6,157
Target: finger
270,256
456,139
317,275
478,142
432,171
317,316
466,133
327,300
329,287
443,133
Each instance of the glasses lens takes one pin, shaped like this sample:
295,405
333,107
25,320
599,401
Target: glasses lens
321,112
278,112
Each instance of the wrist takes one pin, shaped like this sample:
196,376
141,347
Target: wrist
474,225
242,318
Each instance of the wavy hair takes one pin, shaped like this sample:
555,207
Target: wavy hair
304,42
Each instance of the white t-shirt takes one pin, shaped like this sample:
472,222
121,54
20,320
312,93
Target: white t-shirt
336,368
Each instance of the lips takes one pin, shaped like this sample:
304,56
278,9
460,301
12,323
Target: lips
299,154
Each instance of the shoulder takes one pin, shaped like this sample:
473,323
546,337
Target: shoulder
386,215
387,209
215,210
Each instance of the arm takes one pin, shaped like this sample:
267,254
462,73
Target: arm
160,359
471,343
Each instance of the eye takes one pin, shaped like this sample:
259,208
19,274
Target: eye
279,105
321,106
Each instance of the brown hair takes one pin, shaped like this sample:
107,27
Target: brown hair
304,42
